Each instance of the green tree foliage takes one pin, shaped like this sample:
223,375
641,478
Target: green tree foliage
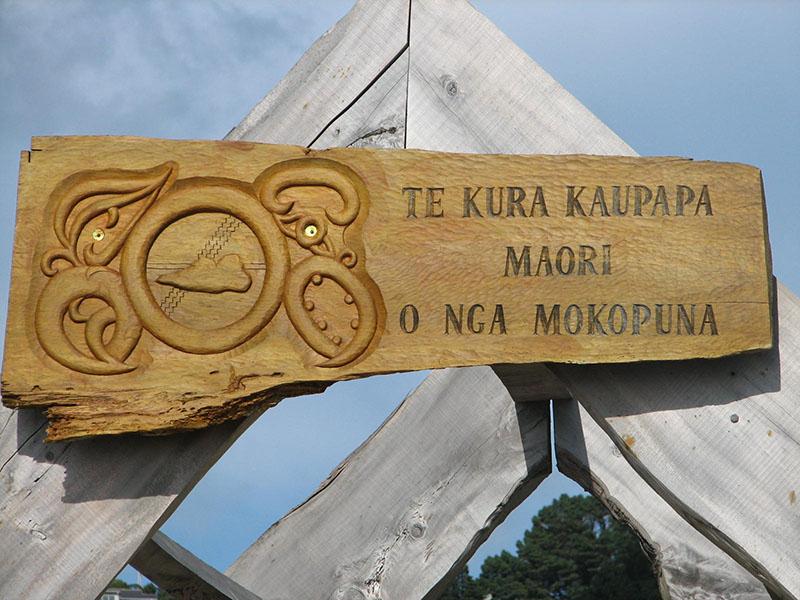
574,550
463,587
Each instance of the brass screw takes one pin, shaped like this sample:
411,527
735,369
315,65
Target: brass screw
310,231
98,235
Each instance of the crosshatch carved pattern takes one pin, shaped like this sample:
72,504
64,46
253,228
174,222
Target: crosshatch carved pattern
108,221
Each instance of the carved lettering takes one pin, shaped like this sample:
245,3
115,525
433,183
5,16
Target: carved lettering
710,320
433,202
454,321
473,323
567,261
551,323
412,201
641,316
544,261
498,320
409,311
515,263
573,201
451,320
515,197
599,203
619,319
469,206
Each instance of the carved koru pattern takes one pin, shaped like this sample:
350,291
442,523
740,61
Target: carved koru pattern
108,224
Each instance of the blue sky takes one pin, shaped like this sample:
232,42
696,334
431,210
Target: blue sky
714,80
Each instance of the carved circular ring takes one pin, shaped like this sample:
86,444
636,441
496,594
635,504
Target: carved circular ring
62,296
314,269
191,197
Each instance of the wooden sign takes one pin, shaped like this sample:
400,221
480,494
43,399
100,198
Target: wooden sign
163,285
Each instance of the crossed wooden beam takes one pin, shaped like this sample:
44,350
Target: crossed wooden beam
699,457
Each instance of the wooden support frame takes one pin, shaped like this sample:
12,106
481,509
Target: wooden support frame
104,498
180,573
52,501
410,506
685,560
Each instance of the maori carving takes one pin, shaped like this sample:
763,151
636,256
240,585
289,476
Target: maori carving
212,276
107,222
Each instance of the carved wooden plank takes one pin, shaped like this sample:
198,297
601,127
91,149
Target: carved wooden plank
687,562
458,525
471,115
77,511
413,502
331,76
296,264
179,572
718,440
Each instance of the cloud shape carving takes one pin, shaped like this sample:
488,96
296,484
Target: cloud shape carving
213,277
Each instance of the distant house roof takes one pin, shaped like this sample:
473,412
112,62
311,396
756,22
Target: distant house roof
123,594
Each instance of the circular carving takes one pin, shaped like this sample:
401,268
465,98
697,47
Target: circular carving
316,268
310,231
114,305
193,197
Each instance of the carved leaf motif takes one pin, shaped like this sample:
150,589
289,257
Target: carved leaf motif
86,195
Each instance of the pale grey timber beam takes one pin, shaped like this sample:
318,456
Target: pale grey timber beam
718,440
177,571
331,76
686,561
405,511
453,84
79,510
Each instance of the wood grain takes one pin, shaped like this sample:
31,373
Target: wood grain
408,508
549,126
331,76
471,89
78,511
241,273
688,564
377,119
180,573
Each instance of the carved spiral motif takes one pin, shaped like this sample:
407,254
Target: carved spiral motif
63,296
83,268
